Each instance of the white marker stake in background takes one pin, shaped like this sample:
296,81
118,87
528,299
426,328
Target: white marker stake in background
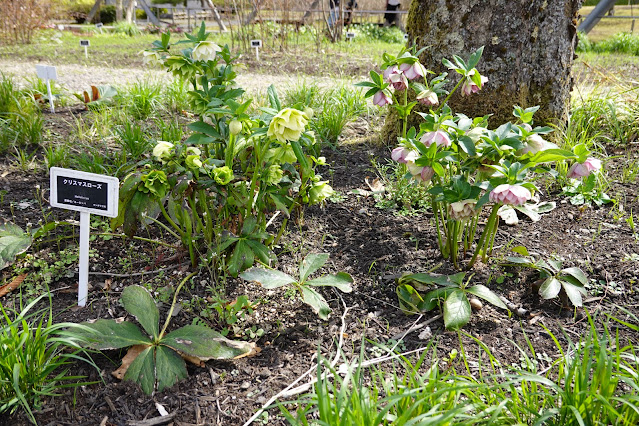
256,44
87,193
47,73
99,26
350,36
86,44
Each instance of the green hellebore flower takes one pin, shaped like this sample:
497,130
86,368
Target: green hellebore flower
319,192
154,182
191,150
274,174
223,175
163,151
193,161
281,154
205,51
287,125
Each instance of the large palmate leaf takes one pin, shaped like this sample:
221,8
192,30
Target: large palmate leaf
205,344
267,278
13,241
111,334
138,302
456,310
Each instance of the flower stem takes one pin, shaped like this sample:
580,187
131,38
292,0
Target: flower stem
487,231
449,95
170,314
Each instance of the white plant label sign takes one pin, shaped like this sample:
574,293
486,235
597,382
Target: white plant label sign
87,193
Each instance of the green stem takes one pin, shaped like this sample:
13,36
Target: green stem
435,209
484,234
177,291
405,118
135,237
168,219
450,94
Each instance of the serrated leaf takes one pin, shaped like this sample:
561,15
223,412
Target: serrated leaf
169,368
267,278
573,292
577,273
485,293
137,301
311,263
550,288
316,302
205,344
13,241
342,281
111,334
142,370
456,310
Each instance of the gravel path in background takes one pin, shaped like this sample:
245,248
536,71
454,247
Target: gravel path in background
76,78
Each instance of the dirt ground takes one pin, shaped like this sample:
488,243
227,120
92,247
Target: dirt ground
375,246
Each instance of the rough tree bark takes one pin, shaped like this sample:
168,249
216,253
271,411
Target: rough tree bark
528,53
118,10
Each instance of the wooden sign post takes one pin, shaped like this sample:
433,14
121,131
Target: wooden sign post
87,193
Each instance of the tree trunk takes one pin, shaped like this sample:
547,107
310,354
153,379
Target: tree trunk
528,53
118,10
130,11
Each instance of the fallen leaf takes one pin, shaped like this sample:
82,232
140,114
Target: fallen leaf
375,185
192,359
130,356
161,409
12,285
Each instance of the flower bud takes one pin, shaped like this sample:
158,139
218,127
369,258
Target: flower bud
308,111
469,86
462,210
193,161
235,127
428,98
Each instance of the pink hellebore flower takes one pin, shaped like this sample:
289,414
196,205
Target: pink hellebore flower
440,137
400,154
428,98
579,170
388,71
423,174
398,80
515,195
534,144
462,210
382,99
469,87
412,71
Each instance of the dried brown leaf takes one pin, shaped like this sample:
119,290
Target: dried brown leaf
12,285
130,356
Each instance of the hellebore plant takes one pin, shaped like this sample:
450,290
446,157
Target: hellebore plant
271,278
451,295
219,190
155,359
464,164
582,186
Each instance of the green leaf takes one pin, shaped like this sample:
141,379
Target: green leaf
434,298
577,273
110,334
241,258
573,292
13,241
316,301
205,344
409,299
550,288
468,146
169,367
273,99
520,250
138,302
342,281
202,127
456,310
485,293
267,278
311,263
475,57
142,370
550,155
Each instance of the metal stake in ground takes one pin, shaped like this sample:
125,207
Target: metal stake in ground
87,193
